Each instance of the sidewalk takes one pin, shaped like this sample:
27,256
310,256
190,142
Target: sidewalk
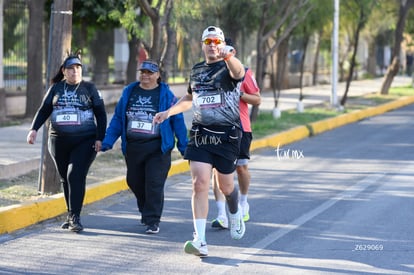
18,158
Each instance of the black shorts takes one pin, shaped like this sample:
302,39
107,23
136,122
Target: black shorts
217,145
246,141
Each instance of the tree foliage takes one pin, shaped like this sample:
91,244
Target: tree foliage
277,19
171,30
12,25
312,28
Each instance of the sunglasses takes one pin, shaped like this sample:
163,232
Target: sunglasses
216,41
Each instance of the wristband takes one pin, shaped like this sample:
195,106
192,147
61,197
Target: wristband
227,58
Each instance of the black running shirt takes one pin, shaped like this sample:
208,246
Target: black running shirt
215,95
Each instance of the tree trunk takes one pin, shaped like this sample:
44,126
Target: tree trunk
353,62
60,41
171,47
342,59
302,65
372,61
156,48
34,87
282,54
316,59
392,70
154,14
134,46
101,48
260,70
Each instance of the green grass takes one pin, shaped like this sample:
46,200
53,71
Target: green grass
402,91
177,80
266,124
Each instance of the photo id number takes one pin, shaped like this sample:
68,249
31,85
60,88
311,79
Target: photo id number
368,247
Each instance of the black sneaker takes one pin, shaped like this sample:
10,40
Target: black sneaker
152,229
74,223
65,224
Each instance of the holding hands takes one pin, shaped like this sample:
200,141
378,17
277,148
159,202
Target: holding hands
160,117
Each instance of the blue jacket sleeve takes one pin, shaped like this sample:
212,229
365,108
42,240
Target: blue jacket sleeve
114,130
180,131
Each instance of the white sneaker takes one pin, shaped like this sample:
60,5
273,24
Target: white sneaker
237,227
245,210
196,247
220,222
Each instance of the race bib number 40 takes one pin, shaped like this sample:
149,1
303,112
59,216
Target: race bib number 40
68,118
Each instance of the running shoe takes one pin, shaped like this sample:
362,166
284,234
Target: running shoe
220,222
153,229
237,227
75,224
196,247
65,224
245,210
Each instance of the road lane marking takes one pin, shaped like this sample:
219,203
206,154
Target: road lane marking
350,192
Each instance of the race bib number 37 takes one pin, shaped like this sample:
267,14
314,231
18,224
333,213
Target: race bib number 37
141,126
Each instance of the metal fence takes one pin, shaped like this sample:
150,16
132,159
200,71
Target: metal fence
15,24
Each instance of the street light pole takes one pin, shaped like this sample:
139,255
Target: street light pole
335,46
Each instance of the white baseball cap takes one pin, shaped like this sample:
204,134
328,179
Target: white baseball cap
213,31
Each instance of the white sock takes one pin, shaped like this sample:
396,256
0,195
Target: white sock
200,229
243,199
221,207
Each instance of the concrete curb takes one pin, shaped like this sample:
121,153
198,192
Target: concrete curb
331,123
19,216
18,168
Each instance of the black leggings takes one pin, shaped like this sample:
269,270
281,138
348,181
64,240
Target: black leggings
147,171
73,156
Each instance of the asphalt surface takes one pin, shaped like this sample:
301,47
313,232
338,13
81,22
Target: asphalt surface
337,203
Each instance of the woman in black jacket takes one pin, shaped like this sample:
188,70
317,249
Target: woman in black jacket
74,137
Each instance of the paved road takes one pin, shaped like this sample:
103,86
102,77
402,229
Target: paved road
337,203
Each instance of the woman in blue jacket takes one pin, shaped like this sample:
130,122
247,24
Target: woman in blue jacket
146,146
